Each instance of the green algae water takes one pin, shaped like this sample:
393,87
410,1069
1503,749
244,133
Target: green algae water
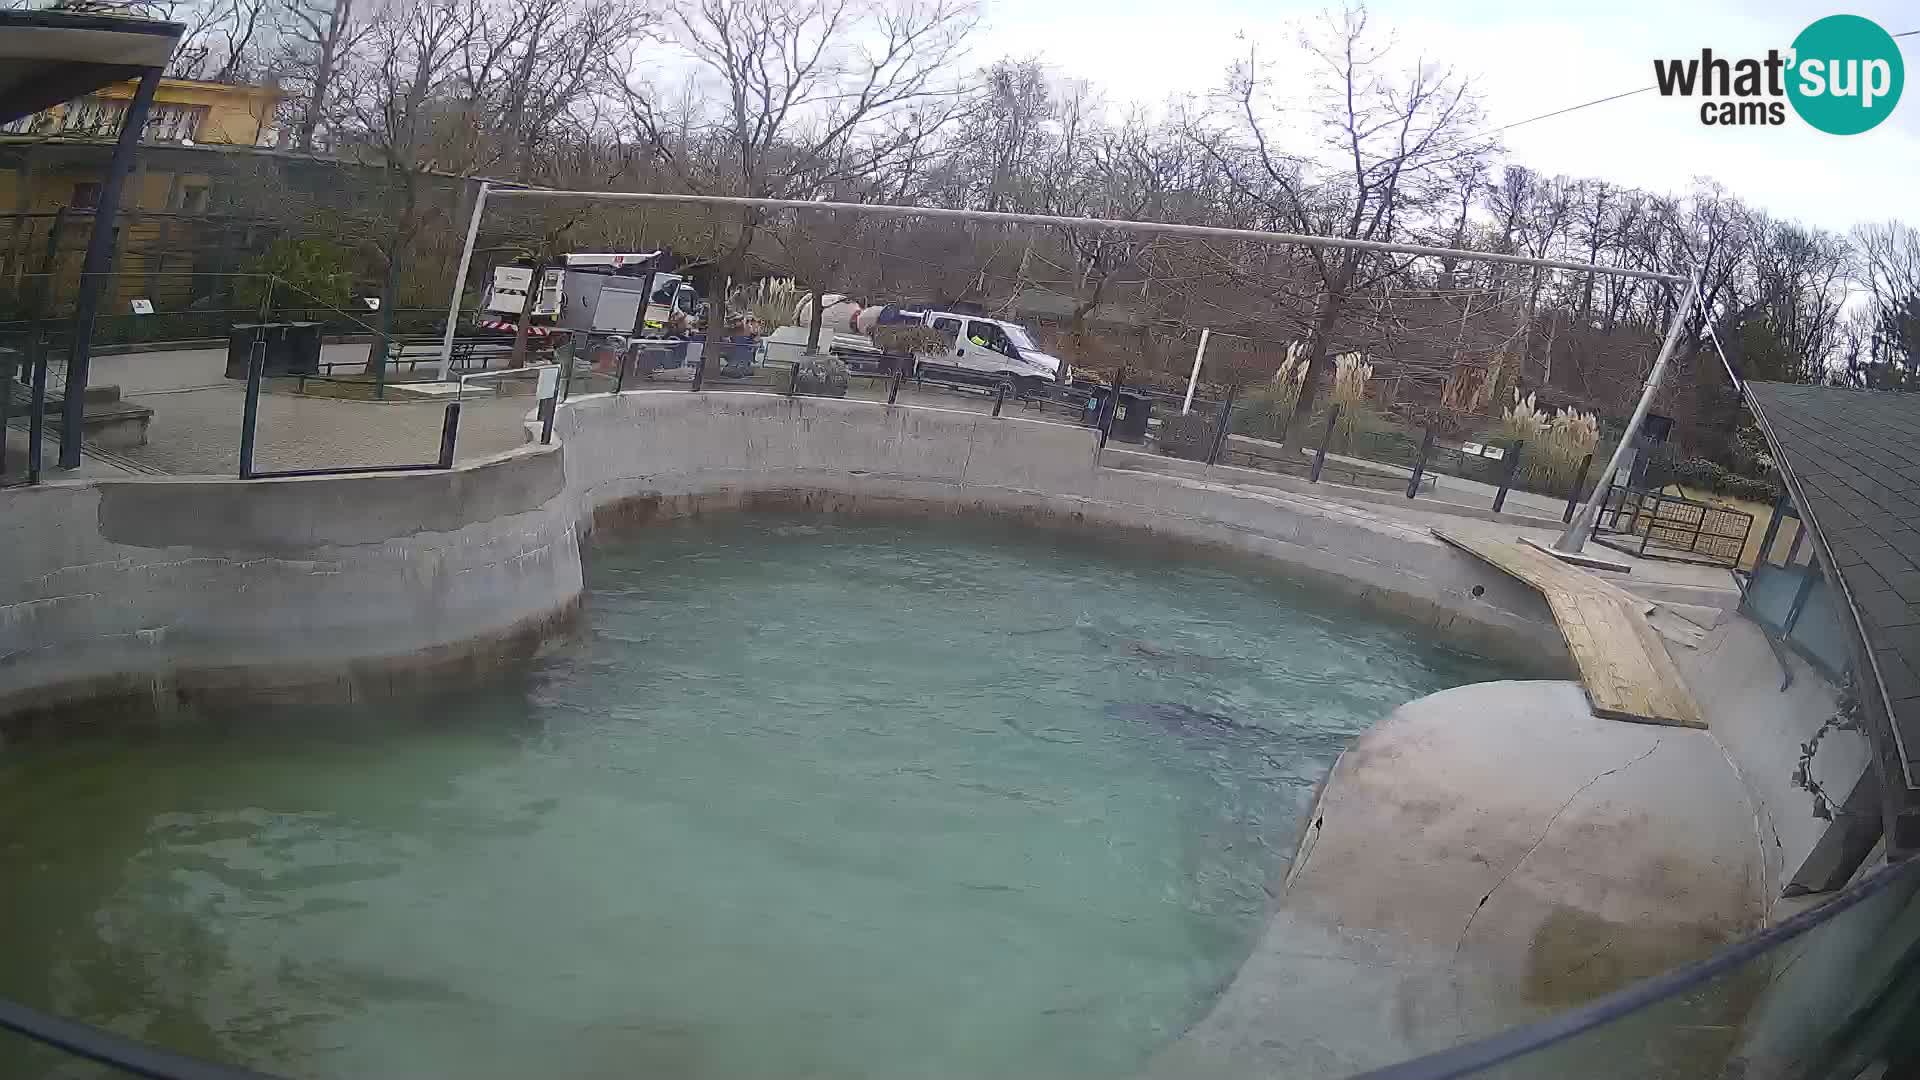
804,798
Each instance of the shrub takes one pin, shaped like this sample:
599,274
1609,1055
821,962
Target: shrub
1189,436
1704,475
1264,412
1555,442
1350,375
771,303
298,274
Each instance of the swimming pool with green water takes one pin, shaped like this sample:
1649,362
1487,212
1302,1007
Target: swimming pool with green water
803,798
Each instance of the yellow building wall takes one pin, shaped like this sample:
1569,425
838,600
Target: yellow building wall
236,115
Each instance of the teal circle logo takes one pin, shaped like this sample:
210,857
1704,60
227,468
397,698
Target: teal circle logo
1847,74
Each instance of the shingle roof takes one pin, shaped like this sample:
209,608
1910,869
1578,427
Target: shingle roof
1853,460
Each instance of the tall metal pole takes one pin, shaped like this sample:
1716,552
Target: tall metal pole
1578,532
460,282
1194,378
99,264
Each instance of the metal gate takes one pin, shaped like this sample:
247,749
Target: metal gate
1659,526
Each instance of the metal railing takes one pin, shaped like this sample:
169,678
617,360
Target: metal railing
250,422
1672,527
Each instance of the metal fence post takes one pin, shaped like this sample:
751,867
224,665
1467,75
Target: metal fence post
7,375
37,401
793,383
1579,481
620,372
1222,428
1113,406
999,398
1773,530
546,419
1513,469
250,411
893,388
449,432
1420,465
1326,437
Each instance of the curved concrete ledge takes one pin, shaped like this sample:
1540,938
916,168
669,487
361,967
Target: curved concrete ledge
652,454
1483,857
154,590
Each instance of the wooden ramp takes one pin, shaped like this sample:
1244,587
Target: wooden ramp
1624,663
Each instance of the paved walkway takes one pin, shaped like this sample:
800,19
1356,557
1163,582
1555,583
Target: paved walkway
197,412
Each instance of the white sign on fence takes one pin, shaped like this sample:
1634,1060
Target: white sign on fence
142,306
549,383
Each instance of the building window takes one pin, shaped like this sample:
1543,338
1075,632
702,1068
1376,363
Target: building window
92,117
86,195
174,123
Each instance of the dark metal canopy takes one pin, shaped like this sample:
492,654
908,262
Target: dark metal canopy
47,57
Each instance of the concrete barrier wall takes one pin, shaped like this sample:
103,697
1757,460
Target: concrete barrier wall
650,454
158,590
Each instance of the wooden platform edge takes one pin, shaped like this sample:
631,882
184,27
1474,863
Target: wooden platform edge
1685,710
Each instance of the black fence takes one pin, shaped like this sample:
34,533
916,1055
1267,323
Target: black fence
1655,525
1233,431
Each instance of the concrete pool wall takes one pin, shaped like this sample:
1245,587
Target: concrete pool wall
151,591
648,455
157,590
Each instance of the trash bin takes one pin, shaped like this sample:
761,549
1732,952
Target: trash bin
240,341
302,353
1129,424
1648,448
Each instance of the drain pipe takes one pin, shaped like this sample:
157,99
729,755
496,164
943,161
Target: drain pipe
1581,528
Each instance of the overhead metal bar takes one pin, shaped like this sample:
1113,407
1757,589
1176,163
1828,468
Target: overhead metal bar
1166,228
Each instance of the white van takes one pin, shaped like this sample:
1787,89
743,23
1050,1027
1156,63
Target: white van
979,351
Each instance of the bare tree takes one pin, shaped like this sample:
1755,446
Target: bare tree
318,41
395,120
1393,135
806,95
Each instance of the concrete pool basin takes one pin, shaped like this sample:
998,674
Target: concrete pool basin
1471,853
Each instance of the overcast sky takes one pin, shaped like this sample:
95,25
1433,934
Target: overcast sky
1529,59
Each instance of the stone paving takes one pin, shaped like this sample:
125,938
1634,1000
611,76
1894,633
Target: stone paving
197,412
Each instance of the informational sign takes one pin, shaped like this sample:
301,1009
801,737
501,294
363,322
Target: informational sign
142,306
372,302
549,385
1493,453
1473,448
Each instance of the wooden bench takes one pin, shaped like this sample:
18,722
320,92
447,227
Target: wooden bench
1623,661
